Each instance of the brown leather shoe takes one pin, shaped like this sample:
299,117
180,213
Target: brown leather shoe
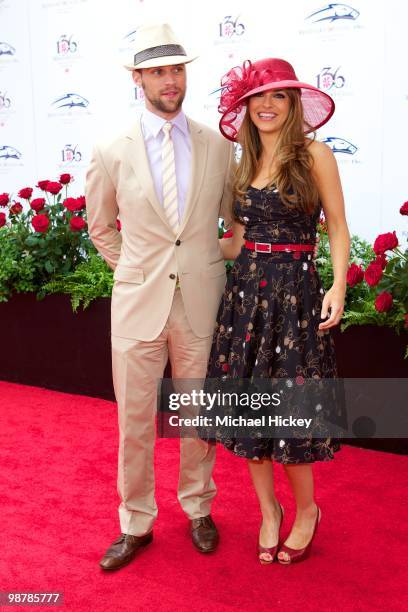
123,550
204,534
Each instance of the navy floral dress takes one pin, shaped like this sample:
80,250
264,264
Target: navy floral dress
267,322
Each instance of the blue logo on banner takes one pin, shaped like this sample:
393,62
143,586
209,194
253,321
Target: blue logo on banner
230,27
7,152
131,36
339,145
6,49
333,12
71,100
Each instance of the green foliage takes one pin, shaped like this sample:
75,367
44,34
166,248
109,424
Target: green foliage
90,280
17,266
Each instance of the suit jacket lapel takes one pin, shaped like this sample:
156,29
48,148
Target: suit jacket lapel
199,147
140,164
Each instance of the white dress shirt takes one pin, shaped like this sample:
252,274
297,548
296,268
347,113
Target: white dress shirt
153,136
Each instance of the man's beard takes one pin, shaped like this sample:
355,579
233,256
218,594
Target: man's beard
169,106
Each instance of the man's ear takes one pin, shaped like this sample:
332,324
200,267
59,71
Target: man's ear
137,77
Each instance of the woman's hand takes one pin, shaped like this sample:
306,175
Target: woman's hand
333,301
231,246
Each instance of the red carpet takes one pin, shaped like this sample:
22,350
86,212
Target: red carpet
59,513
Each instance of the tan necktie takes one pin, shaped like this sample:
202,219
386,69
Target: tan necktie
170,202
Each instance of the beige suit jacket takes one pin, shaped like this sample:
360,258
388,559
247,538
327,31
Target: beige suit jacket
145,255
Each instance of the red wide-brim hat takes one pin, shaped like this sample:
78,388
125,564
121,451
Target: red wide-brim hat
244,81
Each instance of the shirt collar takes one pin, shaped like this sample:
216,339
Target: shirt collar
152,123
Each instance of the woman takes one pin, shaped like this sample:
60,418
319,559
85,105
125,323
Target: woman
273,320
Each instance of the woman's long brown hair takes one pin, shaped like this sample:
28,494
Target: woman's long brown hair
293,178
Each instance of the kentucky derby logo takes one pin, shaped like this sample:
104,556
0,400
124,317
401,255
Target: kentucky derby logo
66,45
334,12
230,27
6,49
7,152
339,145
5,101
71,100
71,154
329,78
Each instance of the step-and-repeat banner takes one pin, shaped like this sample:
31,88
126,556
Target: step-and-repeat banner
63,85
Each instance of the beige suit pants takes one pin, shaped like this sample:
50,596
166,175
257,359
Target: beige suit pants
137,367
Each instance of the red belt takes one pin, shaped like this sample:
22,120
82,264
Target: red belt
266,247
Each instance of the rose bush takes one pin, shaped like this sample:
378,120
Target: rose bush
44,239
377,280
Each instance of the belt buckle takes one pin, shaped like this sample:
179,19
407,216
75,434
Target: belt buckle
265,244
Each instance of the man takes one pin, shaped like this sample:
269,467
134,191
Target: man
169,179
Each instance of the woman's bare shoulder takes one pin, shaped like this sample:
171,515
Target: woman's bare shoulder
319,150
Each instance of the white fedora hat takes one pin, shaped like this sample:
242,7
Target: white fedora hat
157,45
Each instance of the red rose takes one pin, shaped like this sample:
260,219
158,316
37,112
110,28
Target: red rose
263,283
25,193
118,225
2,219
43,185
53,187
385,242
373,274
383,302
71,204
4,199
77,224
65,179
225,367
355,275
16,209
37,204
40,223
81,203
381,260
404,209
228,234
247,337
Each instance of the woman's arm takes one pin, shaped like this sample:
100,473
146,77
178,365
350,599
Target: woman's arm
231,247
326,175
